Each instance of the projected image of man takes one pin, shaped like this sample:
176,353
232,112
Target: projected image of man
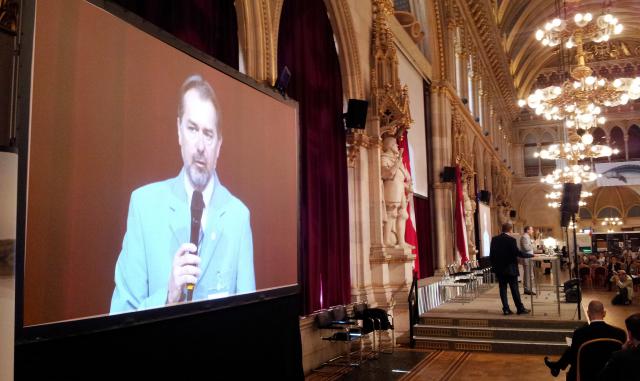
186,236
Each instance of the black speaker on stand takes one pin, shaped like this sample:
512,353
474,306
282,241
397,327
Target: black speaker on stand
568,209
484,196
449,175
356,115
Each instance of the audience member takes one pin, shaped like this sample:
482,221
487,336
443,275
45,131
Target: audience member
623,365
596,329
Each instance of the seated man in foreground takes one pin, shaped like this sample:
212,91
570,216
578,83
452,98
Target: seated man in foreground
596,329
623,364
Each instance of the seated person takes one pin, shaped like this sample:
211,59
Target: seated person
596,329
623,365
600,260
592,260
625,288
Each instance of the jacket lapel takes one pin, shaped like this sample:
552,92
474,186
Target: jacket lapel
180,221
215,224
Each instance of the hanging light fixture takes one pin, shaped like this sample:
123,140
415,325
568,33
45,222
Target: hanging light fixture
581,100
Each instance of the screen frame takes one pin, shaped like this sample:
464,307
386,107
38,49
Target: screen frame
92,324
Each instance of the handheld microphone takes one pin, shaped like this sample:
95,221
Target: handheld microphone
197,206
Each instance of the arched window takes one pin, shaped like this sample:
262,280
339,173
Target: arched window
608,212
634,211
633,143
599,137
584,214
531,168
547,166
616,140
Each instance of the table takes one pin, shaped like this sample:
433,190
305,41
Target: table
555,274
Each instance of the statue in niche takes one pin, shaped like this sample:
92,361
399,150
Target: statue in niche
469,210
397,189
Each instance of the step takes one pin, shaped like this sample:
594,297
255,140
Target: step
490,345
512,322
506,333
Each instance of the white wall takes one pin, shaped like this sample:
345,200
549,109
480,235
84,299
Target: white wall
410,77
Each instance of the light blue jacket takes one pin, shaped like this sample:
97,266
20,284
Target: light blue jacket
159,222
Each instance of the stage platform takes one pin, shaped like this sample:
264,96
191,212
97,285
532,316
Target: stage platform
477,323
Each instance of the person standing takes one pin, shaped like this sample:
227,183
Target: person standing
504,255
527,248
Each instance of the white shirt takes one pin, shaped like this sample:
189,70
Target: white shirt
206,196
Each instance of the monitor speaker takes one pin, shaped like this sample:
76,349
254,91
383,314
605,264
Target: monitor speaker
356,115
484,196
449,174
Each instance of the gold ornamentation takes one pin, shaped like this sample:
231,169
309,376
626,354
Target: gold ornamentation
9,15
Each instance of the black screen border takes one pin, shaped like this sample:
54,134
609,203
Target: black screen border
86,325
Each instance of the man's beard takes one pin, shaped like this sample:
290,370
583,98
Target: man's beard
199,178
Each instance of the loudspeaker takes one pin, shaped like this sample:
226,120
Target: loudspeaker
356,115
512,214
449,174
570,198
283,81
571,292
565,218
484,196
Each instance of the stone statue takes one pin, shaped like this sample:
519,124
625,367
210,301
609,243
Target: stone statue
397,189
469,210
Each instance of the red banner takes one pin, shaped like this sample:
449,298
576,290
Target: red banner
410,235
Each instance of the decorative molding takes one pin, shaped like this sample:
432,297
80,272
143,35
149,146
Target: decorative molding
345,34
357,139
390,99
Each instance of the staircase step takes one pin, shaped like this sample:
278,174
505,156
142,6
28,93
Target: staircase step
511,323
498,333
490,345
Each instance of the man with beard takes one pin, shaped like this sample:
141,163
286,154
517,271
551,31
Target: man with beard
158,265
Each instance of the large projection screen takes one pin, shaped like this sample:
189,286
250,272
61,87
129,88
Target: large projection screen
104,123
484,220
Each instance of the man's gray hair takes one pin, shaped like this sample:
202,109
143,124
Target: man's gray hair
205,91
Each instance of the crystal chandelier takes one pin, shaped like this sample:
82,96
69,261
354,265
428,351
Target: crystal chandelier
555,197
612,221
572,173
580,101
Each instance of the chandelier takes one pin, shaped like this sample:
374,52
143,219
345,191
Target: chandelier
612,221
580,101
555,197
572,173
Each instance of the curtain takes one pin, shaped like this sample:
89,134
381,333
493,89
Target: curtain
209,26
306,46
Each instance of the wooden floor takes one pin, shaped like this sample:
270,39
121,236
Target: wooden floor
464,366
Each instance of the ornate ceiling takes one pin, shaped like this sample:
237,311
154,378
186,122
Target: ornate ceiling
533,65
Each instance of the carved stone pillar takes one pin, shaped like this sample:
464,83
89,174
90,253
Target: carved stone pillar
258,24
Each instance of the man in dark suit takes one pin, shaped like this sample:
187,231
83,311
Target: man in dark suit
623,365
596,329
504,255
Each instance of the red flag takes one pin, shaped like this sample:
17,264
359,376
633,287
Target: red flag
410,235
460,227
